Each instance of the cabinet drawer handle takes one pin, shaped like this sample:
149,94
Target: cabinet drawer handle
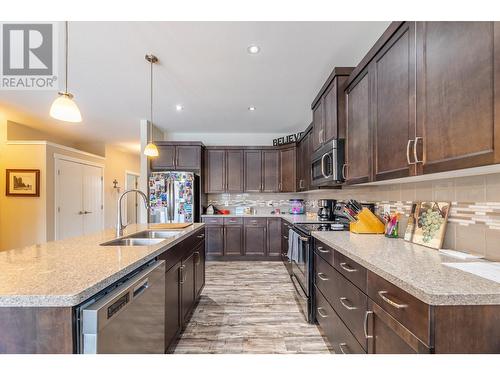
344,301
365,325
415,149
383,295
319,309
285,237
321,250
198,258
200,236
341,345
323,277
408,146
347,268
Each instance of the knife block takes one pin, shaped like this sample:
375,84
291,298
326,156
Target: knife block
367,223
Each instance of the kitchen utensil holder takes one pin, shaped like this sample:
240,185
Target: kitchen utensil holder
368,223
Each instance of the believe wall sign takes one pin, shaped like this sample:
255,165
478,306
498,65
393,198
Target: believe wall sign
287,139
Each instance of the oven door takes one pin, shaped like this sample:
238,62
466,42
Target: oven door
300,266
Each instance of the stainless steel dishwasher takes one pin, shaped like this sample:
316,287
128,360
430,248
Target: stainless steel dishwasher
130,318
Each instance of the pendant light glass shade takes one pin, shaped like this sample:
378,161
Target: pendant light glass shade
64,108
151,150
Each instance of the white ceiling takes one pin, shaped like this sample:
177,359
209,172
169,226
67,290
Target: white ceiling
205,67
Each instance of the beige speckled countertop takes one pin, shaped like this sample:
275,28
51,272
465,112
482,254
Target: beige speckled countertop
67,272
415,269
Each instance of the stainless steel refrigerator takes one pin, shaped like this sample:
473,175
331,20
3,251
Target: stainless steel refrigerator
172,197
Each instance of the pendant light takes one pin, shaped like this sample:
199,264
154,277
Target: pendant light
64,107
151,150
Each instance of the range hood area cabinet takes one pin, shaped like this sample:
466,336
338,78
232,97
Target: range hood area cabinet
425,99
250,169
328,109
177,156
304,153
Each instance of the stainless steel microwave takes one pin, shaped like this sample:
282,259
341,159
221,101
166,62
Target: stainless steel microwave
327,163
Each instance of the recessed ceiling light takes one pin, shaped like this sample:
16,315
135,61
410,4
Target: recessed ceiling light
253,49
179,107
251,108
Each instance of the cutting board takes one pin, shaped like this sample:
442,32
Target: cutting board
170,226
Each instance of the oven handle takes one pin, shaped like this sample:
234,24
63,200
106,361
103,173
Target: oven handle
303,239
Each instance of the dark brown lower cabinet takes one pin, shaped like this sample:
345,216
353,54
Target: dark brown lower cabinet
173,323
187,286
255,236
274,237
243,238
388,336
214,240
233,240
359,311
199,269
341,339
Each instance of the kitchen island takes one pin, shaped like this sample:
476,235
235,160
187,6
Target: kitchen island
41,285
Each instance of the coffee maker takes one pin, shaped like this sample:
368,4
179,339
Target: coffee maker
326,208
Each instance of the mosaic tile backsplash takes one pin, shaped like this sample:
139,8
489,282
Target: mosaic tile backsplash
473,224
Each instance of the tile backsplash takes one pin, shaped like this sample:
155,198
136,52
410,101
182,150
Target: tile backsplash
473,223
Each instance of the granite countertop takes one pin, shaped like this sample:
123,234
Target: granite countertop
414,268
293,219
67,272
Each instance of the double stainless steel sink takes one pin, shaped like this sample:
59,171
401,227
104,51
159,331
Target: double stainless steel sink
144,238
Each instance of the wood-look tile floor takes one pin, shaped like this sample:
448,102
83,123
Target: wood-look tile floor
249,307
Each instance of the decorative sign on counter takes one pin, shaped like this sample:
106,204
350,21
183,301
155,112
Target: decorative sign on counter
287,139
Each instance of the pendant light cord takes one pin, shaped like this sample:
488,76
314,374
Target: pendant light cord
66,67
151,101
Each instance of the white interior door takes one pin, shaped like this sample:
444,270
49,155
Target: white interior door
132,182
69,220
92,199
79,199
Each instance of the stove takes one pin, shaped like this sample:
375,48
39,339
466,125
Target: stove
307,228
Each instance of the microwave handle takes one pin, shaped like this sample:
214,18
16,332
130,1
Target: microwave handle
323,165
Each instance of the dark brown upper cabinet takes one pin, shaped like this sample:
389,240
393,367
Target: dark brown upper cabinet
458,97
188,157
224,171
271,171
393,105
425,99
318,125
287,169
215,161
165,158
180,156
358,150
234,171
304,151
253,171
329,112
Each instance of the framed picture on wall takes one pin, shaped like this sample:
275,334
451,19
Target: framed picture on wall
23,182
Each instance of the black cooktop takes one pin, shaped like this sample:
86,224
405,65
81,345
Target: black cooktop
321,227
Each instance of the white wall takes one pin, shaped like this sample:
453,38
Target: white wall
226,139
